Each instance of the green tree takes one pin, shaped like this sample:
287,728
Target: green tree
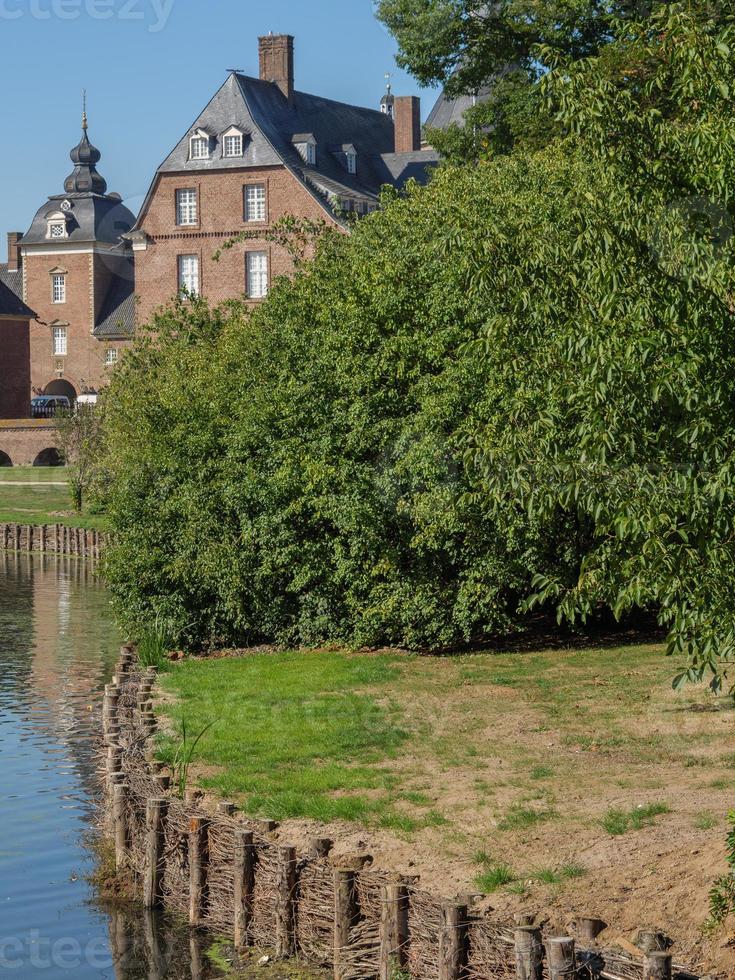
513,386
465,44
627,417
79,436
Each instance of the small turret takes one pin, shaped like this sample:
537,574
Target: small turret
387,103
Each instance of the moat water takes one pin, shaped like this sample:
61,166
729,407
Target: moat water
58,643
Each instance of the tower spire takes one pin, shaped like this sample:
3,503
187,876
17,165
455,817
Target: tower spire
387,103
85,179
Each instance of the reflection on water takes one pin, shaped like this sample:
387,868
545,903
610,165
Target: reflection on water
57,646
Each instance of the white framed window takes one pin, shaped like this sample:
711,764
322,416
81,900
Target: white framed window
59,341
199,148
189,274
351,163
57,229
233,145
311,154
187,209
257,275
255,202
111,356
58,288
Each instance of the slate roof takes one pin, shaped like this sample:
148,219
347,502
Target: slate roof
116,320
11,303
260,110
92,218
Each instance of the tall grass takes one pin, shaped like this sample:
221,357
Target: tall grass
154,644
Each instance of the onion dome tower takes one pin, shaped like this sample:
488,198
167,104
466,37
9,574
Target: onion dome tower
85,157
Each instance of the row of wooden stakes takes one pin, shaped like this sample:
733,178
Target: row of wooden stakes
52,539
536,958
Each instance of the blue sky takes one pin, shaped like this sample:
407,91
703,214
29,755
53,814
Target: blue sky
149,67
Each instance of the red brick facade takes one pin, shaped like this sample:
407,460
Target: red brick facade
15,374
87,276
221,215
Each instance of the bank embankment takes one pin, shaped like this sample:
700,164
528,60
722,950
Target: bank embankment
339,892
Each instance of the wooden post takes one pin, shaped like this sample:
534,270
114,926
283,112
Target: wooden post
319,847
245,857
163,782
114,764
562,958
286,902
529,953
155,816
346,915
393,930
589,929
120,824
225,808
453,941
197,869
652,941
266,827
657,966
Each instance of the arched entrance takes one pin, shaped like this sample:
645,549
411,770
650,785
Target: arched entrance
60,387
48,457
5,460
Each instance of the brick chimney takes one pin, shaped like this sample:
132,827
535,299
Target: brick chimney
276,62
407,119
14,238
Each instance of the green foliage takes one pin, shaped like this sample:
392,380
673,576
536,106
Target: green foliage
556,876
494,875
464,43
79,435
154,644
181,755
513,388
297,474
619,822
515,117
722,894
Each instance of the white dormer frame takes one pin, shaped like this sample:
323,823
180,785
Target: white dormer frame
56,226
233,133
198,136
350,158
307,150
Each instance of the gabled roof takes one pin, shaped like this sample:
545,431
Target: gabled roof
10,302
260,109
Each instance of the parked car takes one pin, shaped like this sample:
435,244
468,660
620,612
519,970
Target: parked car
47,406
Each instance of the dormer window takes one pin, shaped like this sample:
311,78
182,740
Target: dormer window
199,146
57,227
351,163
232,143
306,145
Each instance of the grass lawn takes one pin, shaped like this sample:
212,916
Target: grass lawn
395,739
574,775
26,497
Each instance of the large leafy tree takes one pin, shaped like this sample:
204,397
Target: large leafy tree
516,384
628,416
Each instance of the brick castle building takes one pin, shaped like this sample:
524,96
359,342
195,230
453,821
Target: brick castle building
260,150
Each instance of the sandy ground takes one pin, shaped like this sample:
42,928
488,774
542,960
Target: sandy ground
607,741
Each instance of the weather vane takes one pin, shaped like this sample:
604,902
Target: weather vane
84,108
